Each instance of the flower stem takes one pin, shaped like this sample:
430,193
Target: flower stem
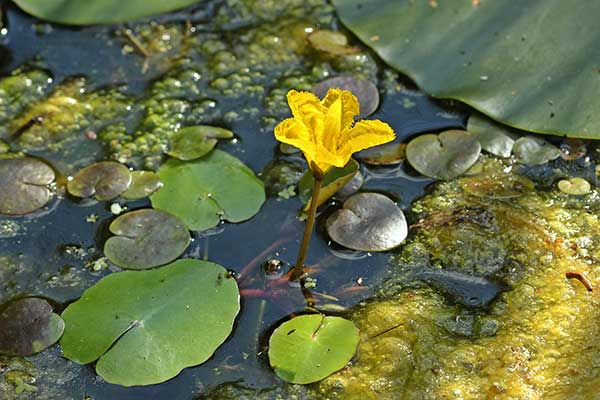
314,200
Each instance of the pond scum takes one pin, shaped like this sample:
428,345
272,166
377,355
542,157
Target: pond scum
538,339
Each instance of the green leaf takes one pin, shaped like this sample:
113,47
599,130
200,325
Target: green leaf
529,64
494,138
309,348
24,185
78,12
333,181
144,327
195,141
143,184
204,191
28,327
531,150
146,239
104,180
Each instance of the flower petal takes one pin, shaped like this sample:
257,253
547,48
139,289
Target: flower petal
307,108
342,106
365,134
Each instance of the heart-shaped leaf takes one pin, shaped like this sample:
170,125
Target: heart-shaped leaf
494,138
365,91
104,180
28,326
444,156
144,327
531,150
23,185
333,181
195,141
203,191
145,239
143,184
574,186
308,348
369,222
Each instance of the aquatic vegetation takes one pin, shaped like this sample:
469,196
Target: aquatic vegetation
332,183
531,150
24,185
143,184
195,141
103,180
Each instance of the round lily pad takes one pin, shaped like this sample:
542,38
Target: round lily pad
494,138
203,191
531,150
385,154
104,180
195,141
574,186
145,239
332,42
28,326
444,156
144,327
308,348
368,222
143,184
365,91
23,185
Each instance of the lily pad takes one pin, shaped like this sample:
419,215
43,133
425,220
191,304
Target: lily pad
512,60
144,327
331,42
28,326
333,181
385,154
23,185
77,12
308,348
365,91
531,150
143,184
196,141
204,191
574,186
368,222
352,186
444,156
104,180
494,138
146,239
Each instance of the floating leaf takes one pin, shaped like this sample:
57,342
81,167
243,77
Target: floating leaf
574,186
145,239
352,186
385,154
333,181
77,12
369,222
28,326
365,91
494,138
513,60
335,43
531,150
195,141
23,185
309,348
104,180
444,156
204,191
143,184
144,327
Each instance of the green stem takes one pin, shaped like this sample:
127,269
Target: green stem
314,201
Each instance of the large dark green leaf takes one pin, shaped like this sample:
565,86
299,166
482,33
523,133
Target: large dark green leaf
87,12
530,64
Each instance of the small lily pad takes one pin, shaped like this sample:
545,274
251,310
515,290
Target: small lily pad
104,180
494,138
331,42
385,154
28,326
196,141
365,91
23,185
146,239
143,184
444,156
574,186
531,150
309,348
333,181
352,186
368,222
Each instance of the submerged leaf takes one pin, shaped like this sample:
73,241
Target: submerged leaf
369,222
333,181
444,156
104,180
531,150
23,185
335,43
143,184
195,141
144,327
145,239
28,326
574,186
365,91
309,348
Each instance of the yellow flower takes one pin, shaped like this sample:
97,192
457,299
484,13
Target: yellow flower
325,130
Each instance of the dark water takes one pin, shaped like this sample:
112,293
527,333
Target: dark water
48,238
